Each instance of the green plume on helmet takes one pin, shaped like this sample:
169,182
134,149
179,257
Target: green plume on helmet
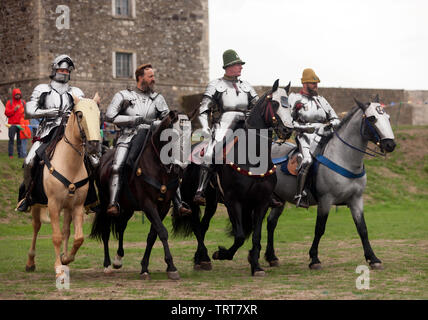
230,57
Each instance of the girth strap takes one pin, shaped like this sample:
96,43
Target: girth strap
72,187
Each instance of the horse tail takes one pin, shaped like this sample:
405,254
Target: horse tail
182,225
100,225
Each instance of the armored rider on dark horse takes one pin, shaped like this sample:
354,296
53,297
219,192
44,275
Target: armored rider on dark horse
133,110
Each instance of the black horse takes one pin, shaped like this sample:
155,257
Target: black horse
245,193
149,186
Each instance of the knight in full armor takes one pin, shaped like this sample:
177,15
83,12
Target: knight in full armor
313,117
52,104
233,99
132,110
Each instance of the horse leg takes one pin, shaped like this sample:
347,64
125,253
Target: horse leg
66,233
151,238
155,220
78,234
54,211
106,237
202,260
31,264
254,254
235,215
322,215
117,262
357,211
272,221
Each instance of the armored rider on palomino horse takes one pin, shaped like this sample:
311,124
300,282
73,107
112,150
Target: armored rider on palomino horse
52,103
133,110
309,111
233,98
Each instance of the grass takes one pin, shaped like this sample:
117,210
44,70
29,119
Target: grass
396,215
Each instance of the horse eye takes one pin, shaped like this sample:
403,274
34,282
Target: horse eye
372,119
284,101
80,115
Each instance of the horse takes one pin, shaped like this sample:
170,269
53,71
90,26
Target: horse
65,181
339,177
150,186
246,192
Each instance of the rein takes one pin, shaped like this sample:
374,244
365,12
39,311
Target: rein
82,136
162,188
361,133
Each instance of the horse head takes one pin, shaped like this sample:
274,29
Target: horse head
87,113
376,126
274,111
171,139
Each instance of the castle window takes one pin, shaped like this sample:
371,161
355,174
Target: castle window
123,8
123,64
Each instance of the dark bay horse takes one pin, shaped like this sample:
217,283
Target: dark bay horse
341,186
150,187
246,192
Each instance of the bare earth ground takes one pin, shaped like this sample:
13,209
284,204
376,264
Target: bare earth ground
401,279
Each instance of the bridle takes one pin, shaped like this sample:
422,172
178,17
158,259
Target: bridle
373,131
82,137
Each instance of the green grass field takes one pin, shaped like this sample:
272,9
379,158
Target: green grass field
396,214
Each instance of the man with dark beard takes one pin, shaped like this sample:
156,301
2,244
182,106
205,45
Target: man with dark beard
132,110
314,114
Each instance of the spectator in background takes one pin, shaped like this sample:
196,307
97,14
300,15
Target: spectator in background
24,135
15,112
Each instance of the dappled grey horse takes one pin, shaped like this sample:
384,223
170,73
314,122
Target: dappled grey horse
339,176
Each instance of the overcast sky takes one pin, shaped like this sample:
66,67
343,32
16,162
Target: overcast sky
350,44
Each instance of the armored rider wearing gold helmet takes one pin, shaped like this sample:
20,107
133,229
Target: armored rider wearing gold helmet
314,114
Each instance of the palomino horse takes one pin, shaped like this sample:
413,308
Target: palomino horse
150,187
246,192
65,181
340,178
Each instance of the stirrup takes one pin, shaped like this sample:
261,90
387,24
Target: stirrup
23,206
299,202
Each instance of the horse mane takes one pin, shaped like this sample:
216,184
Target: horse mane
348,117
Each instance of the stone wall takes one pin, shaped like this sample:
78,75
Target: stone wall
398,103
18,44
172,35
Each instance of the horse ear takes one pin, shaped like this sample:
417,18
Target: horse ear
97,98
376,99
287,88
75,99
275,85
360,104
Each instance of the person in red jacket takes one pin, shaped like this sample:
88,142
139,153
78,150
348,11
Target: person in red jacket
15,112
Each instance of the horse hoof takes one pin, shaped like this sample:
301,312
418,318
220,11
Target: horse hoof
145,276
274,263
376,266
315,266
173,275
259,273
108,270
30,268
206,265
